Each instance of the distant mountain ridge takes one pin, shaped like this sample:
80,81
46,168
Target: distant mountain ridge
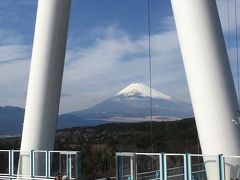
11,121
134,101
129,105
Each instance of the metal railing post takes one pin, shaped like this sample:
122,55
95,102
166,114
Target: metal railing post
67,165
163,172
119,167
187,167
158,176
133,167
220,167
31,163
70,166
47,164
79,166
11,163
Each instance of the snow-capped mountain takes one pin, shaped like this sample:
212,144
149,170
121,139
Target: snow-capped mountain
141,90
134,101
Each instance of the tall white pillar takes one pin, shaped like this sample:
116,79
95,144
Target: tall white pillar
45,79
210,80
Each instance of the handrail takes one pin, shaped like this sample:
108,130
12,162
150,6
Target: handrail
47,155
172,154
162,171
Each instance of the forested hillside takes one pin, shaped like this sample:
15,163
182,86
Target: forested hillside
99,144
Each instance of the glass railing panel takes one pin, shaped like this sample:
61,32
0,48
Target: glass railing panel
55,160
39,164
126,166
198,170
148,166
175,166
231,167
15,161
4,162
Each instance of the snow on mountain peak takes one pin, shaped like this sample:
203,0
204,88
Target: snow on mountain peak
142,90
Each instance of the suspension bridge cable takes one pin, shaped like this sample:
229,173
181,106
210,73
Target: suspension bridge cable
229,33
150,71
236,35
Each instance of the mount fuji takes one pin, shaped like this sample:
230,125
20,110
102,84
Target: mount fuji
134,102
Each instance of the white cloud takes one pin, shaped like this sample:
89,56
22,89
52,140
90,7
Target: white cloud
115,59
14,68
10,53
13,82
97,72
99,69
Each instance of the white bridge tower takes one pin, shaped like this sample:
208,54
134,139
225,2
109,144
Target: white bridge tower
210,81
45,79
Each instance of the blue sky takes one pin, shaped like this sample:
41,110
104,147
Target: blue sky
106,50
